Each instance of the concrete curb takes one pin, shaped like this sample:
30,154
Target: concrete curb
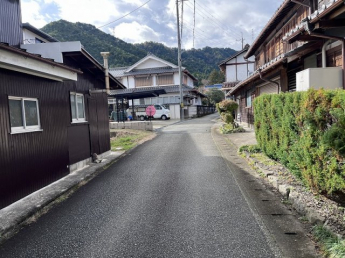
22,212
293,196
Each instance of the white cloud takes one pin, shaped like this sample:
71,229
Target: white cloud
135,33
87,11
218,24
31,14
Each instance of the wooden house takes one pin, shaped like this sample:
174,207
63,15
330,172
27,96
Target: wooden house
53,113
303,39
155,73
236,68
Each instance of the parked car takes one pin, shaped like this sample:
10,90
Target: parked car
140,112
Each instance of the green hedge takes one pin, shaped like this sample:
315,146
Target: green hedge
306,132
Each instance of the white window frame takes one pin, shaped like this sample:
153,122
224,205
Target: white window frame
25,128
77,120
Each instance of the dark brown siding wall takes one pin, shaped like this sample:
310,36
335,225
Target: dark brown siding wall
30,161
10,22
247,115
100,123
103,122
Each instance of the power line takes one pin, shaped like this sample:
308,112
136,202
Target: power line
217,21
194,24
124,15
206,16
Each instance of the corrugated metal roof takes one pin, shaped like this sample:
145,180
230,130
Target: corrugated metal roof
158,89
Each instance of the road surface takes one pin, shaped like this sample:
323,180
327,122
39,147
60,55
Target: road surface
173,196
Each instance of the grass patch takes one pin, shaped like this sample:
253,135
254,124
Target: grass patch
262,158
331,245
128,139
250,148
228,128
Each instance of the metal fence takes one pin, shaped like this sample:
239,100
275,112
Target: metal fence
205,110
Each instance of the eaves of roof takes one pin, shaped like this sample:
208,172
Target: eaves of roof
234,56
40,33
190,75
306,24
325,10
100,67
266,67
150,55
37,57
168,89
158,70
118,71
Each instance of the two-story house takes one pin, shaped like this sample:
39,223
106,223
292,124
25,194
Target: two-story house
54,112
236,68
154,73
302,46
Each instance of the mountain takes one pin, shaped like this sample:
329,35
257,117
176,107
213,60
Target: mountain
200,62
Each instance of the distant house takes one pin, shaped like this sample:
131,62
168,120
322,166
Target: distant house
152,72
236,68
301,47
53,108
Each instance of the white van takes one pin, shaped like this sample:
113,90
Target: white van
161,112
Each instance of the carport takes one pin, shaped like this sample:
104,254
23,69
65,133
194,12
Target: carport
123,95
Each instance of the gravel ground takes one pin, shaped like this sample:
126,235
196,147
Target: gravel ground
320,208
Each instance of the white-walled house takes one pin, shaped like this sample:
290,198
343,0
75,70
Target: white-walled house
236,68
152,71
32,35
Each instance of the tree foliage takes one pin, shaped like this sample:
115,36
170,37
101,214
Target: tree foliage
216,77
215,96
200,62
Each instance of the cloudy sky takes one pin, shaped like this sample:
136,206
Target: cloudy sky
220,23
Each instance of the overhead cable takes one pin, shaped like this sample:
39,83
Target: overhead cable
124,15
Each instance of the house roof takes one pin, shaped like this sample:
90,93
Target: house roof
272,64
150,56
266,67
121,71
305,30
282,11
88,62
246,47
118,71
58,51
40,33
37,57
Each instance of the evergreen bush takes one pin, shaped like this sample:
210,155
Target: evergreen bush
306,132
226,108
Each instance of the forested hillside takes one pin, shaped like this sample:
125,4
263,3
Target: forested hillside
200,62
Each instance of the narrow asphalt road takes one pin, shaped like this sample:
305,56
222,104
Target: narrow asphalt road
173,196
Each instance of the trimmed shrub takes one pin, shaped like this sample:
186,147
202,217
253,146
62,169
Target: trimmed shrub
306,132
226,109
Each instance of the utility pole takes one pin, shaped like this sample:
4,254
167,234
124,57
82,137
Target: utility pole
179,62
242,40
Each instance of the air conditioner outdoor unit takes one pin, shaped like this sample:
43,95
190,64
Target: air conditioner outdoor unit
329,78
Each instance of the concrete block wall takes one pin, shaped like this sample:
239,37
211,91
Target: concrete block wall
135,125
